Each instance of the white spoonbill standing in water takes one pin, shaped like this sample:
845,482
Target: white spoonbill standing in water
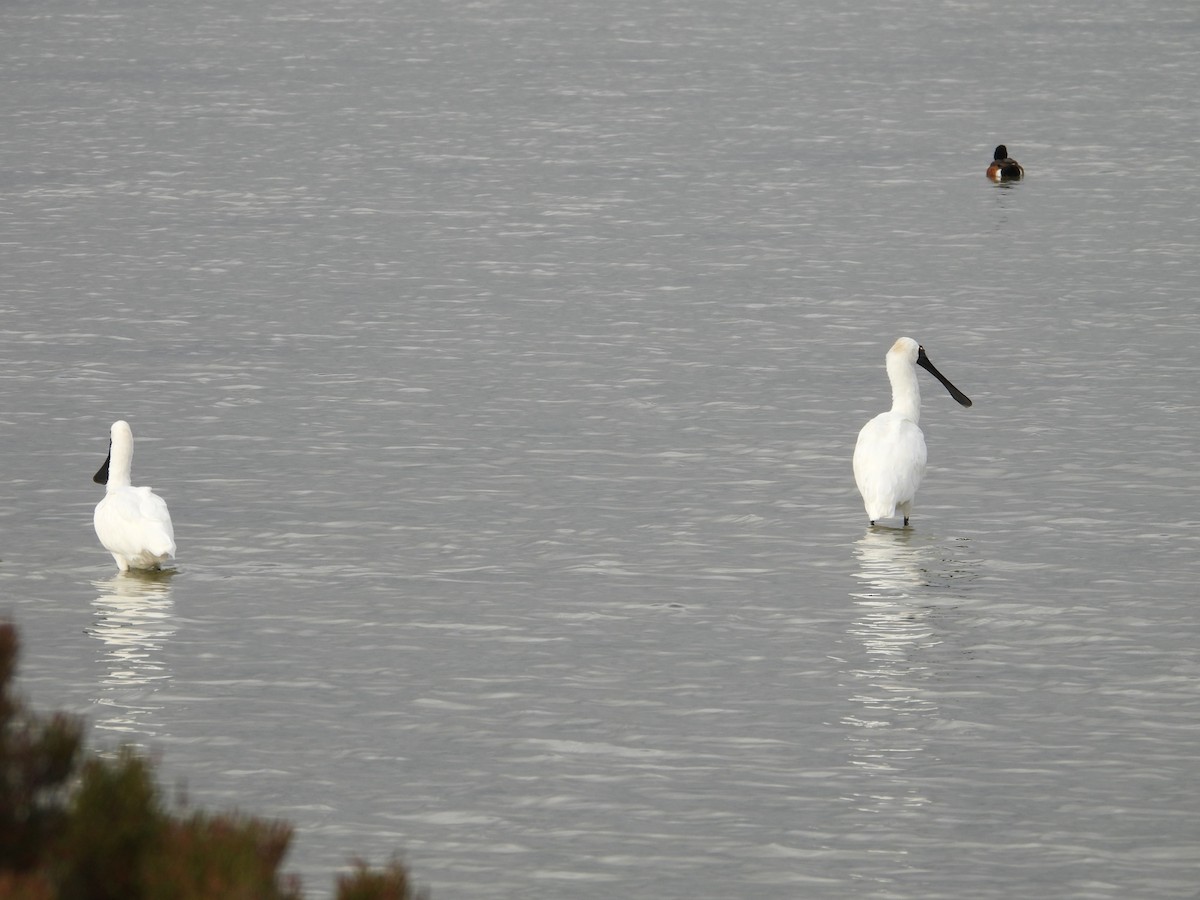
132,522
889,458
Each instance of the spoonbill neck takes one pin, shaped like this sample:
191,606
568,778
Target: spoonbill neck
120,456
906,392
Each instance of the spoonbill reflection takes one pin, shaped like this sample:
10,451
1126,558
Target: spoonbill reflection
889,458
132,522
134,620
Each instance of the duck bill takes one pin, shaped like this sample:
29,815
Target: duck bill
924,363
101,477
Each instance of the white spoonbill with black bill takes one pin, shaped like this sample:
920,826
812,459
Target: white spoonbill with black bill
889,458
132,523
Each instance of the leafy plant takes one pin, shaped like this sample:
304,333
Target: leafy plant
79,826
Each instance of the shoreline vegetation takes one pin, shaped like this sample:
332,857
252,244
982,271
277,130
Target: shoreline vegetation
83,825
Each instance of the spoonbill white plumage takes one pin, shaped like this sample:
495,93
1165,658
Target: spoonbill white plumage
889,458
132,523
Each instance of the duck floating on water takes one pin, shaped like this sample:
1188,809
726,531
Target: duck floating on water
1003,168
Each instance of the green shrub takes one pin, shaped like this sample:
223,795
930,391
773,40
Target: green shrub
370,884
76,826
227,856
37,757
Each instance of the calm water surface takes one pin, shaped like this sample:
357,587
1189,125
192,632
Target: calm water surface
501,363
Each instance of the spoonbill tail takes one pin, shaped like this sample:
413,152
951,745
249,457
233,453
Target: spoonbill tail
132,522
889,458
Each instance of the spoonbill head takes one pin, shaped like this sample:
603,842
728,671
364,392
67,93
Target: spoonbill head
889,458
132,523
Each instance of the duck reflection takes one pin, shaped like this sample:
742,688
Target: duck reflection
897,625
134,618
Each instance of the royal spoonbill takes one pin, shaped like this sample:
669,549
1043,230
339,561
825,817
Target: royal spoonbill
1003,168
889,458
132,522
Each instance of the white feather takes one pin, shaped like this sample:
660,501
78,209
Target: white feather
890,455
133,523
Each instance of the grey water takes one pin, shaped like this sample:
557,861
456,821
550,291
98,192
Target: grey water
501,363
